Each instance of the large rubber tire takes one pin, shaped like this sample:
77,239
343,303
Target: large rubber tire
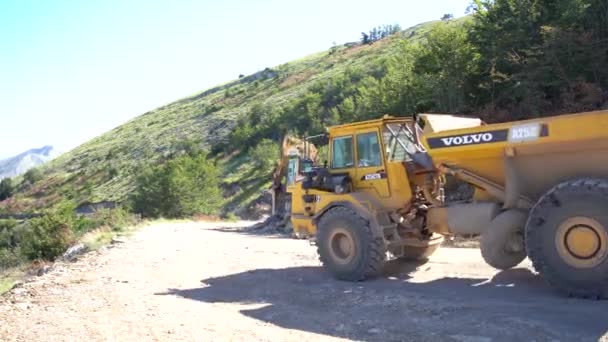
585,198
502,243
368,259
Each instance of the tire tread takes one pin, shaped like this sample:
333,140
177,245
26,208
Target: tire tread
533,234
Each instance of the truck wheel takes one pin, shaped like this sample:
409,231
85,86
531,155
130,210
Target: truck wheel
567,237
347,246
502,243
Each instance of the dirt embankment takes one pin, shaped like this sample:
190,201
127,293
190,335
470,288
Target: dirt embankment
205,282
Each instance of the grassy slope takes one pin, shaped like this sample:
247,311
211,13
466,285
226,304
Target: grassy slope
104,167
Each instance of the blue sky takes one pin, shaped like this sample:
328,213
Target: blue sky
71,70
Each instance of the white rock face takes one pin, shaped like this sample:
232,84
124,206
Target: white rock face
19,164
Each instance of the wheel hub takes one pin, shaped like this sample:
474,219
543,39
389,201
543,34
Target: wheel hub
342,246
582,242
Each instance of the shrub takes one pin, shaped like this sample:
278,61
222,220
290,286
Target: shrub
33,175
10,257
6,188
47,237
7,233
231,217
112,172
9,244
265,154
151,190
116,219
184,186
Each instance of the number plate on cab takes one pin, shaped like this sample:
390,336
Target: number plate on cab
527,132
373,176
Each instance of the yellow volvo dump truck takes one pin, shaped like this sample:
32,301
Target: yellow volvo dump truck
540,190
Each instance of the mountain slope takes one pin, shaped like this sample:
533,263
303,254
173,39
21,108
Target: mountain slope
19,164
103,169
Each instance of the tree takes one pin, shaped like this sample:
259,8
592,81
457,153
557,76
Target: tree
379,32
447,17
6,188
33,175
540,56
365,38
442,64
184,186
265,154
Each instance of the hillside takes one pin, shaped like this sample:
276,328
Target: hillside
103,168
19,164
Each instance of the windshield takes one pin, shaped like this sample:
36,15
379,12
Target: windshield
399,142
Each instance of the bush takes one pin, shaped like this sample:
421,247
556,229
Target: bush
47,237
9,244
33,175
112,172
10,257
7,233
265,154
184,186
231,217
116,219
6,188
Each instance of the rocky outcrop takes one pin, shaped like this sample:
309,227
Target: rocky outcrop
21,163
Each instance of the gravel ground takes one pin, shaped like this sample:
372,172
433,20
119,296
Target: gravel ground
206,282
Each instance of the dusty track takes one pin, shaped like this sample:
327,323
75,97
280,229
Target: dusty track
195,282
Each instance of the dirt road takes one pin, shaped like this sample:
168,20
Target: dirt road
198,282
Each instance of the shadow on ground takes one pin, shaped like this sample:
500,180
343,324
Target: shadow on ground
513,305
257,229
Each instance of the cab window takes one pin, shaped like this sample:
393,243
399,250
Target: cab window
292,171
368,150
399,143
342,152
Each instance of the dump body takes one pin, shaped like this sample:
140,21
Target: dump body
540,152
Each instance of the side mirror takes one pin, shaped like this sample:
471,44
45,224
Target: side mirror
325,139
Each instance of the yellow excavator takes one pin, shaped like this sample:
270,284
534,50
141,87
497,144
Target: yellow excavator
540,191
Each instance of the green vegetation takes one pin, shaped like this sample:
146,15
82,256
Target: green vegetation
7,282
32,175
231,217
6,188
539,57
49,236
508,60
184,186
10,255
264,154
379,32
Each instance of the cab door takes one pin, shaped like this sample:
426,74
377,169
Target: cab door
343,155
370,171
